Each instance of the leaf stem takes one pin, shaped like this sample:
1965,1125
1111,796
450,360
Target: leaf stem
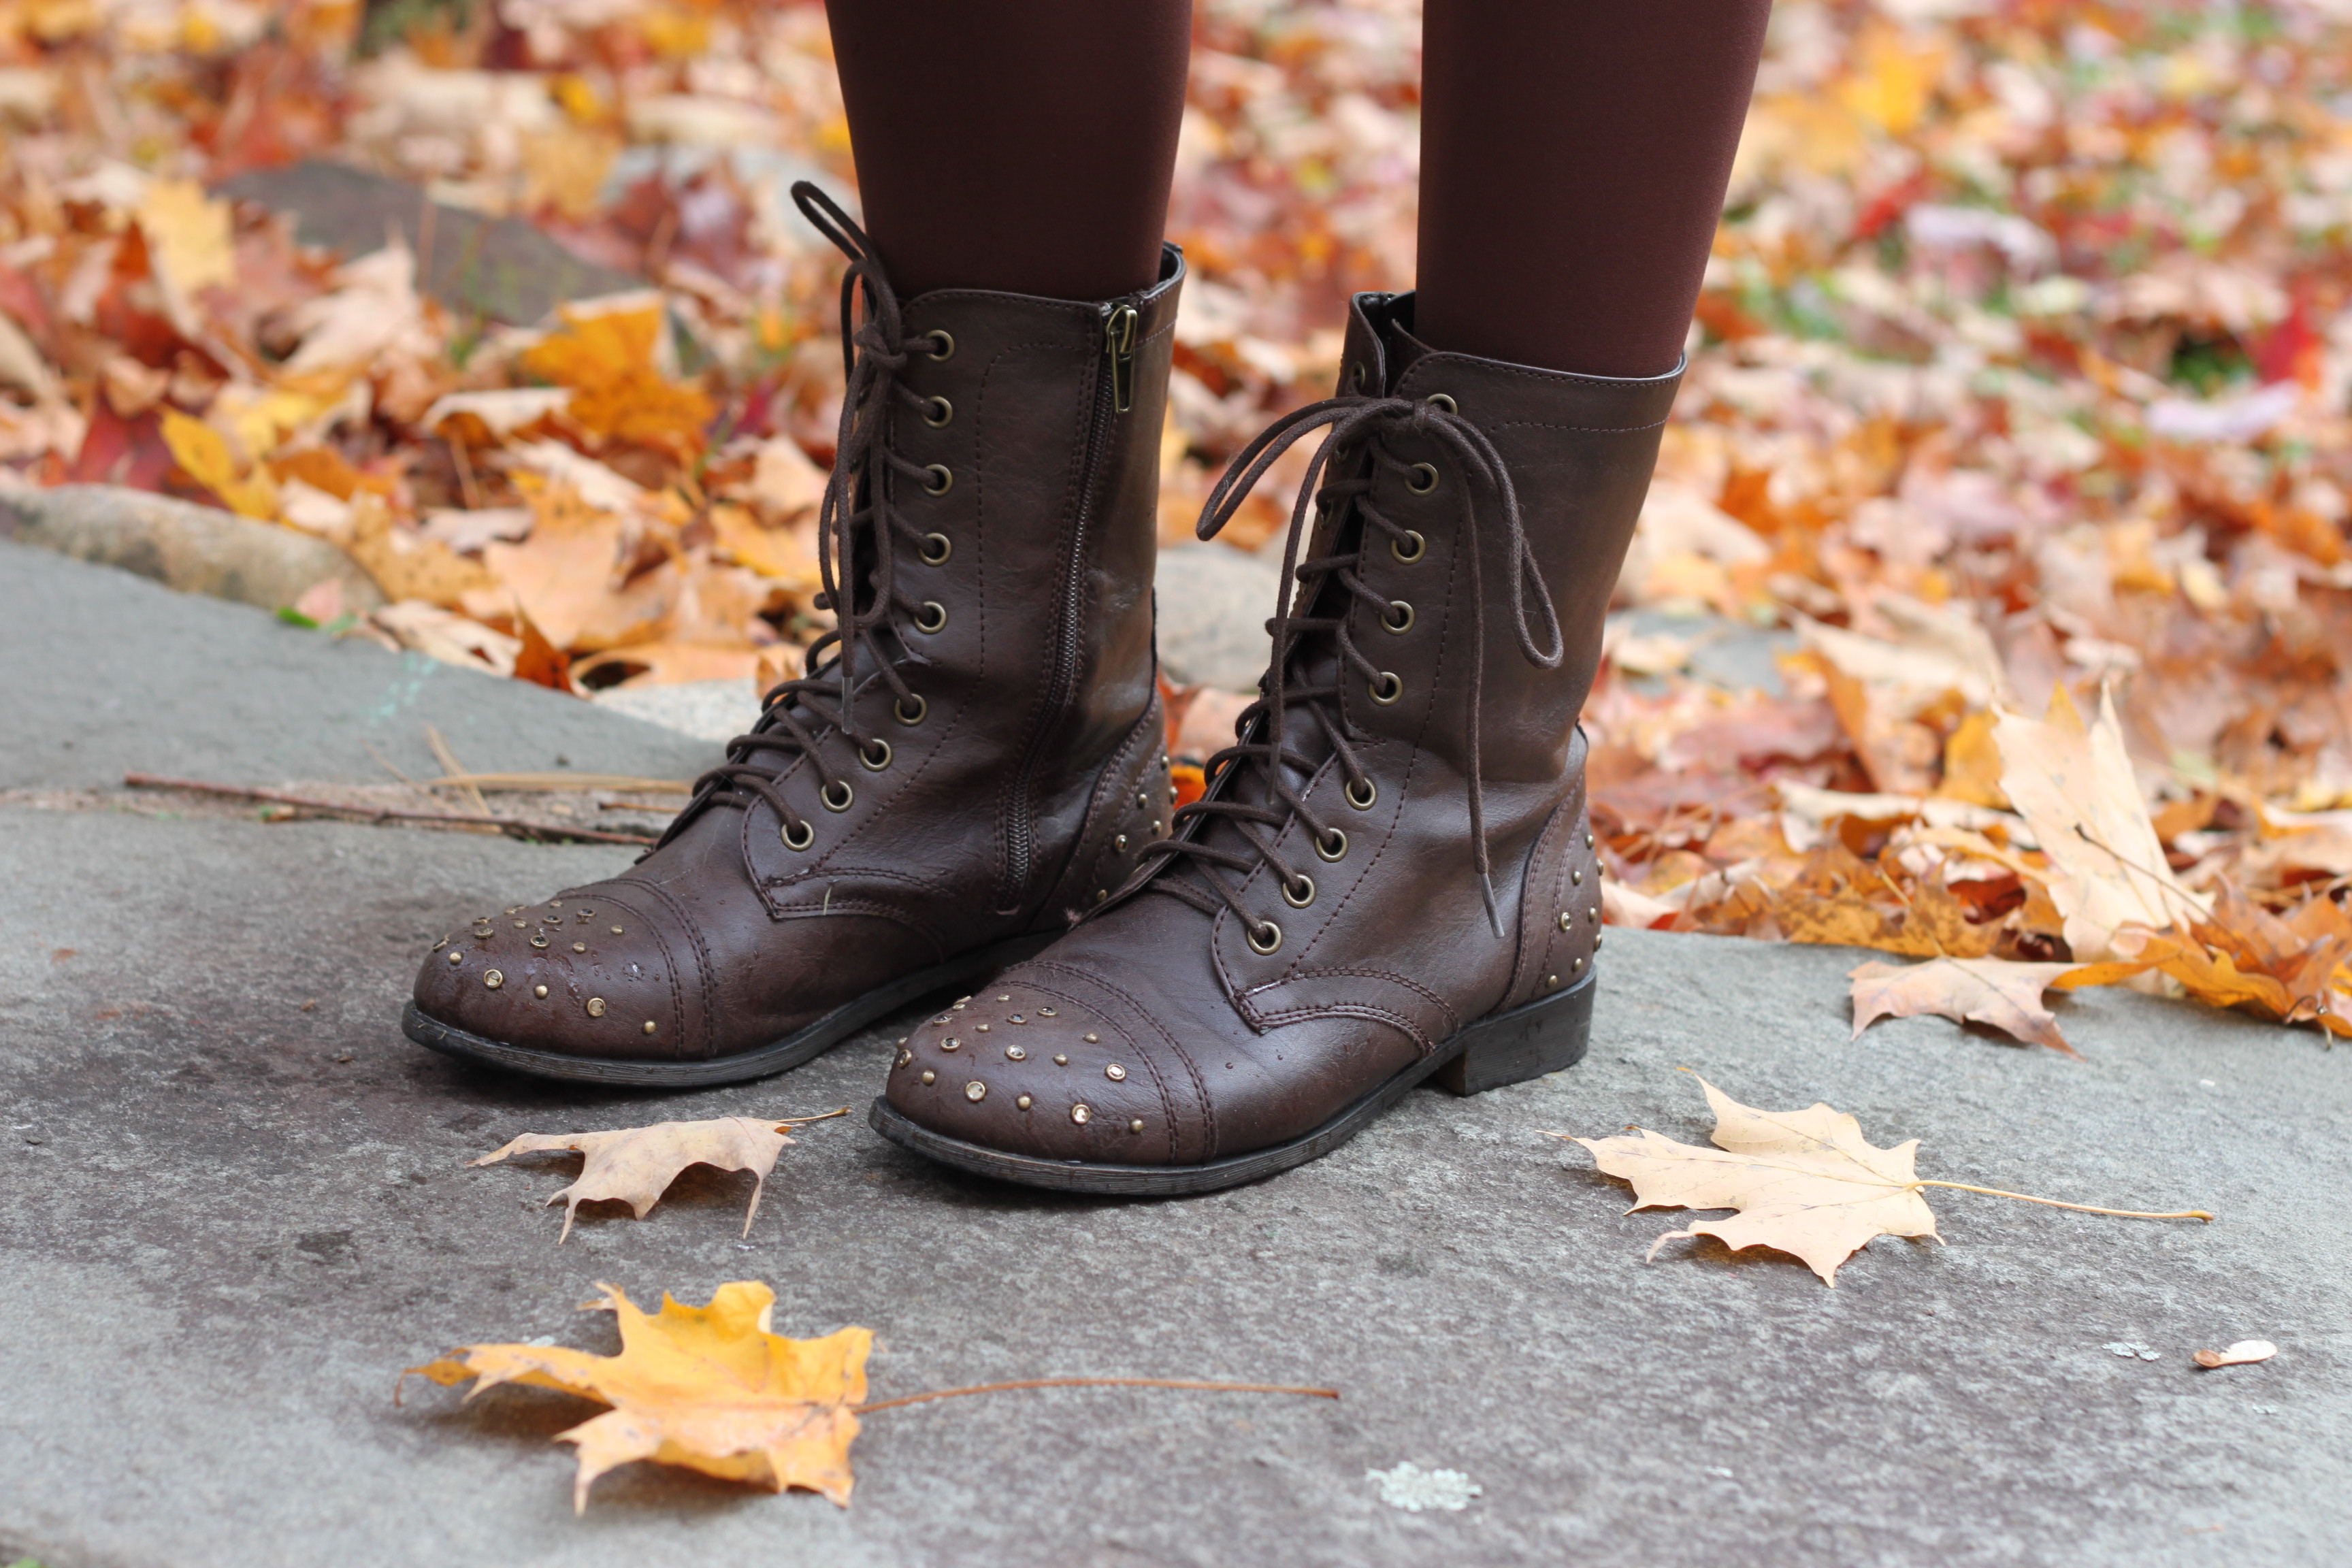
1093,1383
2083,1208
2163,884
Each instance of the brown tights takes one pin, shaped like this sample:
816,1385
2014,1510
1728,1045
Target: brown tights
1574,155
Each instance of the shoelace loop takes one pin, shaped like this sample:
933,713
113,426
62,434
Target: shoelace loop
1373,421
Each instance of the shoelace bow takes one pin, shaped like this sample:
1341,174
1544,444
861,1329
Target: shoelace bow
1261,815
859,527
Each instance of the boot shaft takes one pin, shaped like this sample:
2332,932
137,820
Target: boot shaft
1579,450
1036,425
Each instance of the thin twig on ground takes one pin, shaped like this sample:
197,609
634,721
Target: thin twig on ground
511,827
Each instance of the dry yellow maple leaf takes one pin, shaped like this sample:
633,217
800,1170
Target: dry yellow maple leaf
2073,785
2003,993
1806,1182
203,454
714,1389
710,1388
188,235
635,1166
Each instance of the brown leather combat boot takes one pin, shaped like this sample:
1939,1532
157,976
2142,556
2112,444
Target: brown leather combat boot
1404,887
975,756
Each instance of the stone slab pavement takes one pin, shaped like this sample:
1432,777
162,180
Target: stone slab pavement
234,1202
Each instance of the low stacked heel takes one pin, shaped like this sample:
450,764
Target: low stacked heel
1524,1043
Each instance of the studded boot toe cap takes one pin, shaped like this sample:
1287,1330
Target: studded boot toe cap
1034,1074
583,975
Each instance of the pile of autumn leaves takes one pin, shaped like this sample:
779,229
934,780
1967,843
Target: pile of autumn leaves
2071,888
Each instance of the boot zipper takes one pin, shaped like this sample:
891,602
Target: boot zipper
1114,395
1118,344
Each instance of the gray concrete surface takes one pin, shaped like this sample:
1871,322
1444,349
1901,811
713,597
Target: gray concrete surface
104,673
1214,601
226,1222
504,268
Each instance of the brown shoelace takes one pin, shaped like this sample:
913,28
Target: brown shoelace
1250,785
860,531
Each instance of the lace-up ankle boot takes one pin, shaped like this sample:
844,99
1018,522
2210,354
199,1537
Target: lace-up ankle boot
975,756
1392,878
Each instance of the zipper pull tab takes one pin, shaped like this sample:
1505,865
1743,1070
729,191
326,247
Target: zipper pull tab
1119,342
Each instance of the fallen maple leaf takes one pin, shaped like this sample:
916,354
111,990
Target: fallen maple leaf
1805,1182
188,235
709,1388
2244,956
2074,786
2003,993
607,359
714,1389
204,454
636,1165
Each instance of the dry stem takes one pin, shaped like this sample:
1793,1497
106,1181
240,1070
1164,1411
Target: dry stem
1095,1383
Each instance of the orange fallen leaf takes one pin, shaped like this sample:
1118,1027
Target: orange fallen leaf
540,661
785,555
564,576
2244,956
1806,1182
1930,922
2001,993
709,1388
636,1165
606,358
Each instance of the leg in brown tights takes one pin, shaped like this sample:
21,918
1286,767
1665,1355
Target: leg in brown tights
1573,163
1574,155
1018,144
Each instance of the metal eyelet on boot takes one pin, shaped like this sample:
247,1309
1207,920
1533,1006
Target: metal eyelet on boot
867,759
942,343
1442,402
931,617
1266,938
1415,482
847,795
807,837
936,549
939,412
1296,899
1420,547
1331,844
1371,795
942,479
899,709
1399,618
1389,682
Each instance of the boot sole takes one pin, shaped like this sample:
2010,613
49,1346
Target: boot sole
1511,1048
805,1045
